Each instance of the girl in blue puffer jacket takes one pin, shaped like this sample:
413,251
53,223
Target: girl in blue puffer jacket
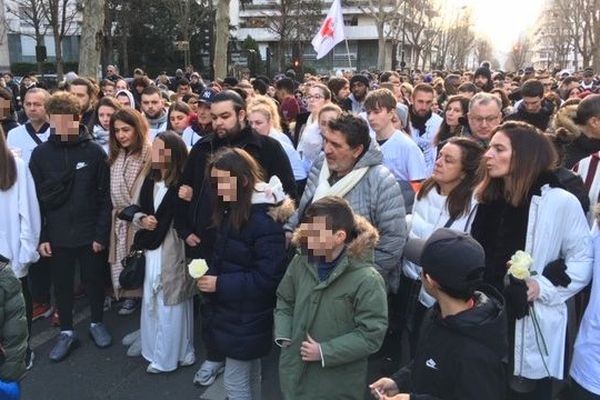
248,263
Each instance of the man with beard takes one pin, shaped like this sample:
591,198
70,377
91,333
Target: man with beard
483,79
153,109
424,124
193,217
87,94
359,86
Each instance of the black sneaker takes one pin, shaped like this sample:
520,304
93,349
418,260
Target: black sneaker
129,306
63,347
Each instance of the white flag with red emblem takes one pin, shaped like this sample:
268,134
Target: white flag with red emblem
331,31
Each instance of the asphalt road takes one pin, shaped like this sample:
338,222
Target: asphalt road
90,373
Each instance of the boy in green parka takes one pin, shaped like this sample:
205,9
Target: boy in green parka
13,326
331,305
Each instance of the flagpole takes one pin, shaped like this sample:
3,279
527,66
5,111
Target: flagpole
348,52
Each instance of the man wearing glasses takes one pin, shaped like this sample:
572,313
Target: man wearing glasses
485,114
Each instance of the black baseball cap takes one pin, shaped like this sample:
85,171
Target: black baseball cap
453,259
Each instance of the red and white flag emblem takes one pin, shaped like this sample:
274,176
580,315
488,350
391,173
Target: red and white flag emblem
331,31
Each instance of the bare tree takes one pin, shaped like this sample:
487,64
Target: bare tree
520,54
461,39
92,37
384,12
29,13
60,16
483,50
221,38
420,32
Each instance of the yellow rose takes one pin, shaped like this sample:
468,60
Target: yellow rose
198,268
520,264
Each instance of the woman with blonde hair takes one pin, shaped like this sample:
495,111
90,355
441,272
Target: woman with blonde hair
264,119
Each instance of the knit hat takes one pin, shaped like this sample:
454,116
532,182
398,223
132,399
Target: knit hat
483,71
359,78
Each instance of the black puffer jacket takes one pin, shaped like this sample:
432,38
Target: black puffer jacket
85,216
460,357
540,120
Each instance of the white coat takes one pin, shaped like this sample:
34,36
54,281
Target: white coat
430,213
556,228
20,222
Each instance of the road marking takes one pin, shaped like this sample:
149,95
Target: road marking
50,333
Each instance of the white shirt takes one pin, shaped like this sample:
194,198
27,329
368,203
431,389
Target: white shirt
310,143
190,137
20,221
425,141
404,158
19,139
298,166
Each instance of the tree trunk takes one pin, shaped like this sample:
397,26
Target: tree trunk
221,39
39,41
58,52
91,37
107,49
381,46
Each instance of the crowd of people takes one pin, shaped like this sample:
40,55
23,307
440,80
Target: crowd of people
439,225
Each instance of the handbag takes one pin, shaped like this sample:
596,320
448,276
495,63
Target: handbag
134,269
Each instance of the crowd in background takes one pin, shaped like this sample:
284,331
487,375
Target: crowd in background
339,218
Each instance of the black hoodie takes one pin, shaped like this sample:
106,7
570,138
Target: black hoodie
540,120
85,216
460,356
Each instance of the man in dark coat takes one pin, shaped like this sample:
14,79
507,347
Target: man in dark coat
72,181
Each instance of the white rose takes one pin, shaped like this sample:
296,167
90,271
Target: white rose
520,264
197,268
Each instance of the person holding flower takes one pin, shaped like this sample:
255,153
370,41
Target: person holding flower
523,207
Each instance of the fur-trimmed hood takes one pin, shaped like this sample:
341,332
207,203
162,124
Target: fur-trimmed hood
564,118
283,211
365,238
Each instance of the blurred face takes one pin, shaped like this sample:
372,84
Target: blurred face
340,156
271,91
380,118
498,156
226,123
259,122
453,113
183,90
125,134
152,105
161,156
108,90
110,71
547,82
315,99
193,103
574,94
4,108
324,119
26,81
121,85
81,92
532,104
483,119
226,184
359,90
203,111
448,170
344,92
104,114
123,100
481,81
66,126
179,121
34,107
320,240
422,102
396,82
591,128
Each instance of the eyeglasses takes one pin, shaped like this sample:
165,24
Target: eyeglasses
480,120
314,97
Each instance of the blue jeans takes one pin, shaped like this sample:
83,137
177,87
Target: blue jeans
242,379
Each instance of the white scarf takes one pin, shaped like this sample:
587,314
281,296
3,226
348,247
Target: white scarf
341,187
